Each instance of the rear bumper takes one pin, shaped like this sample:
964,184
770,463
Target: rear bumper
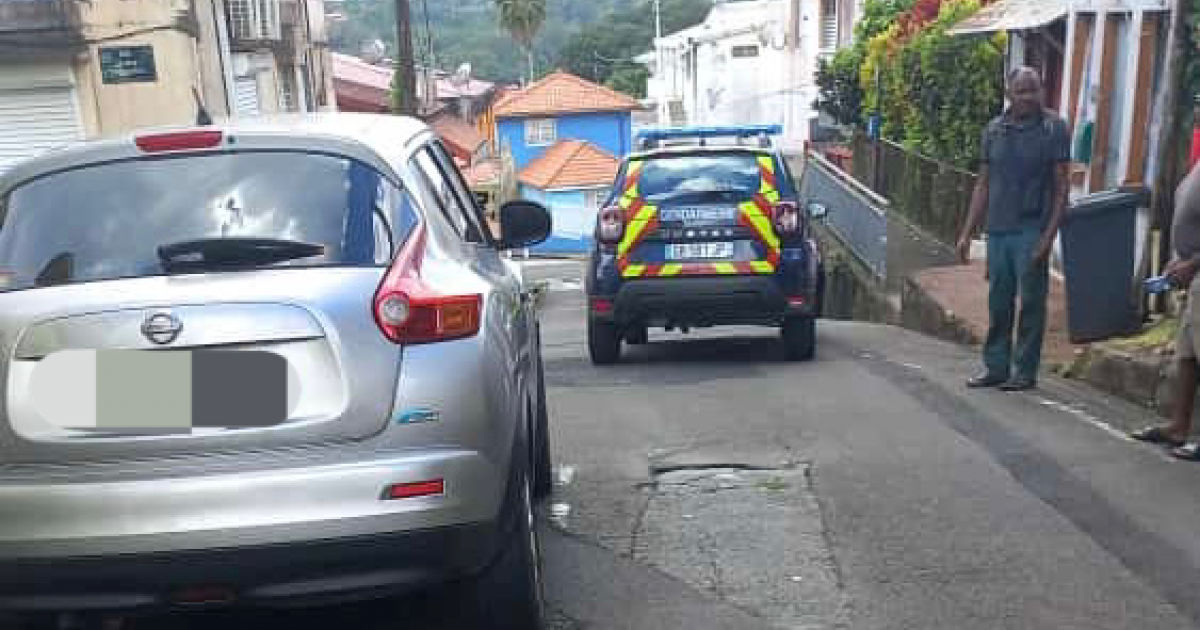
297,574
704,302
290,534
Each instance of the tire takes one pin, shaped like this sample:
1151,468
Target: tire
637,336
799,338
543,467
604,343
508,594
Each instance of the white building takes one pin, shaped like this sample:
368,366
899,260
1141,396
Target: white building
749,62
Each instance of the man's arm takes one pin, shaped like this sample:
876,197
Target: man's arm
975,215
1058,210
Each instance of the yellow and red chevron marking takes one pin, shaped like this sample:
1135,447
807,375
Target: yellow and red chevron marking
631,180
643,219
766,177
698,269
756,216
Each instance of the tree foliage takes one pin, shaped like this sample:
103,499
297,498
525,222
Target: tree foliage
841,89
934,91
603,51
467,31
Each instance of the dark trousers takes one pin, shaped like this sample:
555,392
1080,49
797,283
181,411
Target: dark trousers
1011,272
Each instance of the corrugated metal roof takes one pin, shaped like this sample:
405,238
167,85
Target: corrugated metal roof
1013,15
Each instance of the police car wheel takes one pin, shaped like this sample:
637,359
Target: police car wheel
604,343
799,338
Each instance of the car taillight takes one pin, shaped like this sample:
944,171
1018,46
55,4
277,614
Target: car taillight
612,225
179,141
786,217
409,311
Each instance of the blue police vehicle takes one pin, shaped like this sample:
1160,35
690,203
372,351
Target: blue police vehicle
703,228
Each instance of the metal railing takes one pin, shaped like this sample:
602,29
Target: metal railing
857,216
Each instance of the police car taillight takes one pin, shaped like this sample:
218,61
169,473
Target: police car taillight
612,225
787,218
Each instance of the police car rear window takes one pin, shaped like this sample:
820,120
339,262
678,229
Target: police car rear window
664,177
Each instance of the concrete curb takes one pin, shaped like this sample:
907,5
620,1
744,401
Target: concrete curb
920,312
1143,378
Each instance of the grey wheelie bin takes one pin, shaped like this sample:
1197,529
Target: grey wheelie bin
1098,250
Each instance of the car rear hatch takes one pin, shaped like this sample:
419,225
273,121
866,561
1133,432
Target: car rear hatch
707,213
275,251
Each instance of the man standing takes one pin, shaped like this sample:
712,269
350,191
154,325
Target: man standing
1185,237
1022,193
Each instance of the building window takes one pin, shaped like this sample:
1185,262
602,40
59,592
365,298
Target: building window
829,24
254,19
741,52
288,101
594,197
540,131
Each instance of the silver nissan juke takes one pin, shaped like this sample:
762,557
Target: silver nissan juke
265,363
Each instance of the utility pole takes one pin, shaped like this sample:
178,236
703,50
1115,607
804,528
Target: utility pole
405,69
1167,174
659,70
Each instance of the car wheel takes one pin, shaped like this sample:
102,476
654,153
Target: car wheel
543,471
508,595
799,338
604,343
637,336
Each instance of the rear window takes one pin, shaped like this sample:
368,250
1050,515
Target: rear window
107,221
666,177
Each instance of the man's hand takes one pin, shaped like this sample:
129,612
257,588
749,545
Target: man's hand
1042,253
1181,272
964,250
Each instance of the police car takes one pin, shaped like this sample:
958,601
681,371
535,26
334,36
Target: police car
704,228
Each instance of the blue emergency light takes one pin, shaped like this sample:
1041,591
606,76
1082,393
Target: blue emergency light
733,131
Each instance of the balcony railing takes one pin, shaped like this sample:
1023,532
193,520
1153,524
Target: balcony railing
40,22
253,21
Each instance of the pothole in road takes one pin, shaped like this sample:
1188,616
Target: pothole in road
753,536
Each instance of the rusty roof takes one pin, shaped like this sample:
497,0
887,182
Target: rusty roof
457,132
563,93
571,164
1012,15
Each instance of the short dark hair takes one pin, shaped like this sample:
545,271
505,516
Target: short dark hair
1023,71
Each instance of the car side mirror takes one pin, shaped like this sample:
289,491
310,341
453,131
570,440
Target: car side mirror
523,224
817,210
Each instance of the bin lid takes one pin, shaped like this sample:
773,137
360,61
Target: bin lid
1130,198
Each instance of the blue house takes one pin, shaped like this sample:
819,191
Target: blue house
566,136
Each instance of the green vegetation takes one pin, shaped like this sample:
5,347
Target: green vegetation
523,19
596,39
934,91
603,51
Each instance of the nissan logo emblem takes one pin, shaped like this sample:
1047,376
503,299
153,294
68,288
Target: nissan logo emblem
162,328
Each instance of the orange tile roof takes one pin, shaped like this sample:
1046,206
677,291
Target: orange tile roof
570,164
482,173
458,132
563,93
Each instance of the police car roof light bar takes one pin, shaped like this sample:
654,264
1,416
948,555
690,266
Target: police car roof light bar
734,131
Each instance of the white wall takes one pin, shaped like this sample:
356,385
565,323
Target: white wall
776,87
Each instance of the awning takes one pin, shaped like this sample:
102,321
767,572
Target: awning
1013,15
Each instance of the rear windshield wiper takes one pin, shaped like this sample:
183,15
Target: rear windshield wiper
233,252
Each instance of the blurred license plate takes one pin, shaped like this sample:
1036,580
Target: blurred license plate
698,216
694,251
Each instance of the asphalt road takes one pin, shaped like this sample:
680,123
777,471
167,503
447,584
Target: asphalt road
705,483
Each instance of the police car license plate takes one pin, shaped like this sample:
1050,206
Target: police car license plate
696,251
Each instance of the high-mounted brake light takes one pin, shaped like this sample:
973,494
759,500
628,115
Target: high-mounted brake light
786,217
179,141
409,311
612,225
